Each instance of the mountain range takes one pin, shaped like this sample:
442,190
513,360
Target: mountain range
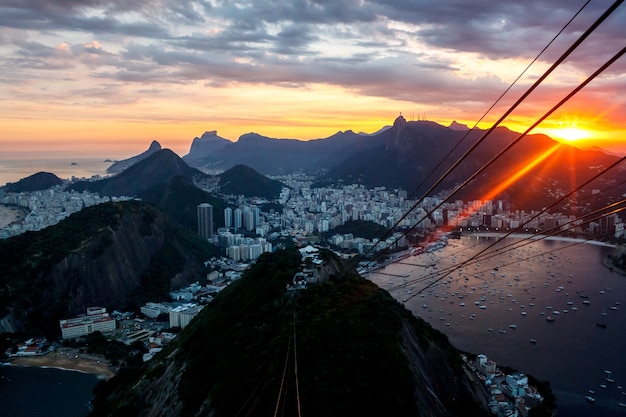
413,155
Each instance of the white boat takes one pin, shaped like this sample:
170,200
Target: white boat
590,399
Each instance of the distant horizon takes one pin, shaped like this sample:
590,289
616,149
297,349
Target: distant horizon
18,164
129,148
111,77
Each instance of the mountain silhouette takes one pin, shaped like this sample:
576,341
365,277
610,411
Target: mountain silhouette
120,166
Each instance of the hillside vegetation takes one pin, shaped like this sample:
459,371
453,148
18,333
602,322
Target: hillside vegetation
112,254
357,352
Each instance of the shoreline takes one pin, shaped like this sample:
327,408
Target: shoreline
539,237
11,214
88,364
609,264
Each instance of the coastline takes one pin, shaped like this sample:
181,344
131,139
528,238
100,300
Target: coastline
68,361
539,237
10,214
609,264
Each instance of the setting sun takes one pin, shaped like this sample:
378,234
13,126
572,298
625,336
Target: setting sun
572,134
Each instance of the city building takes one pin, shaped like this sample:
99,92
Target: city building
96,320
182,315
205,220
228,217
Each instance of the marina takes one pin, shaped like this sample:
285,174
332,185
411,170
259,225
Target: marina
542,304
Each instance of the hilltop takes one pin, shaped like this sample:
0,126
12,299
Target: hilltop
35,182
113,254
358,353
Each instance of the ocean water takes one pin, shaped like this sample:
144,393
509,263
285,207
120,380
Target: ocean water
17,165
545,278
28,392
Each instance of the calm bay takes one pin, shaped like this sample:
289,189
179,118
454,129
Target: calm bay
497,306
27,392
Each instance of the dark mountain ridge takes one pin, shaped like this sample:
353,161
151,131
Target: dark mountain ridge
412,155
112,255
243,180
36,182
179,198
120,166
280,156
158,168
358,353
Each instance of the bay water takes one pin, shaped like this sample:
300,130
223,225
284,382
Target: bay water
536,309
28,392
17,165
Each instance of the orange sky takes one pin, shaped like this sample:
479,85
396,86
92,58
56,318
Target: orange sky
110,79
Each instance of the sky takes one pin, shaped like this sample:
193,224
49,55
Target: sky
108,77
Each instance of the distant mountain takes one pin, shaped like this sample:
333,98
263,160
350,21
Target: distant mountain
35,182
120,166
358,353
158,168
599,149
116,255
205,146
243,180
283,156
179,198
413,155
458,126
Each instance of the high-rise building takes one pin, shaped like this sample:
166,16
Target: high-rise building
205,220
248,219
257,216
237,218
228,217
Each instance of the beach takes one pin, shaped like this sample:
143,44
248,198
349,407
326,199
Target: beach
10,214
68,359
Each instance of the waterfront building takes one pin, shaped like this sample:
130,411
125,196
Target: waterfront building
96,320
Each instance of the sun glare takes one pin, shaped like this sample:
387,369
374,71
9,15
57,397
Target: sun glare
572,134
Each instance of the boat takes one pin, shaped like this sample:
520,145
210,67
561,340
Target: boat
550,319
533,341
590,399
513,326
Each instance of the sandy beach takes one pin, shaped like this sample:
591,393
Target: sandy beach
67,359
9,214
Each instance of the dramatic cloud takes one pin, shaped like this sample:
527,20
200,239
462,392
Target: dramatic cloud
448,57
